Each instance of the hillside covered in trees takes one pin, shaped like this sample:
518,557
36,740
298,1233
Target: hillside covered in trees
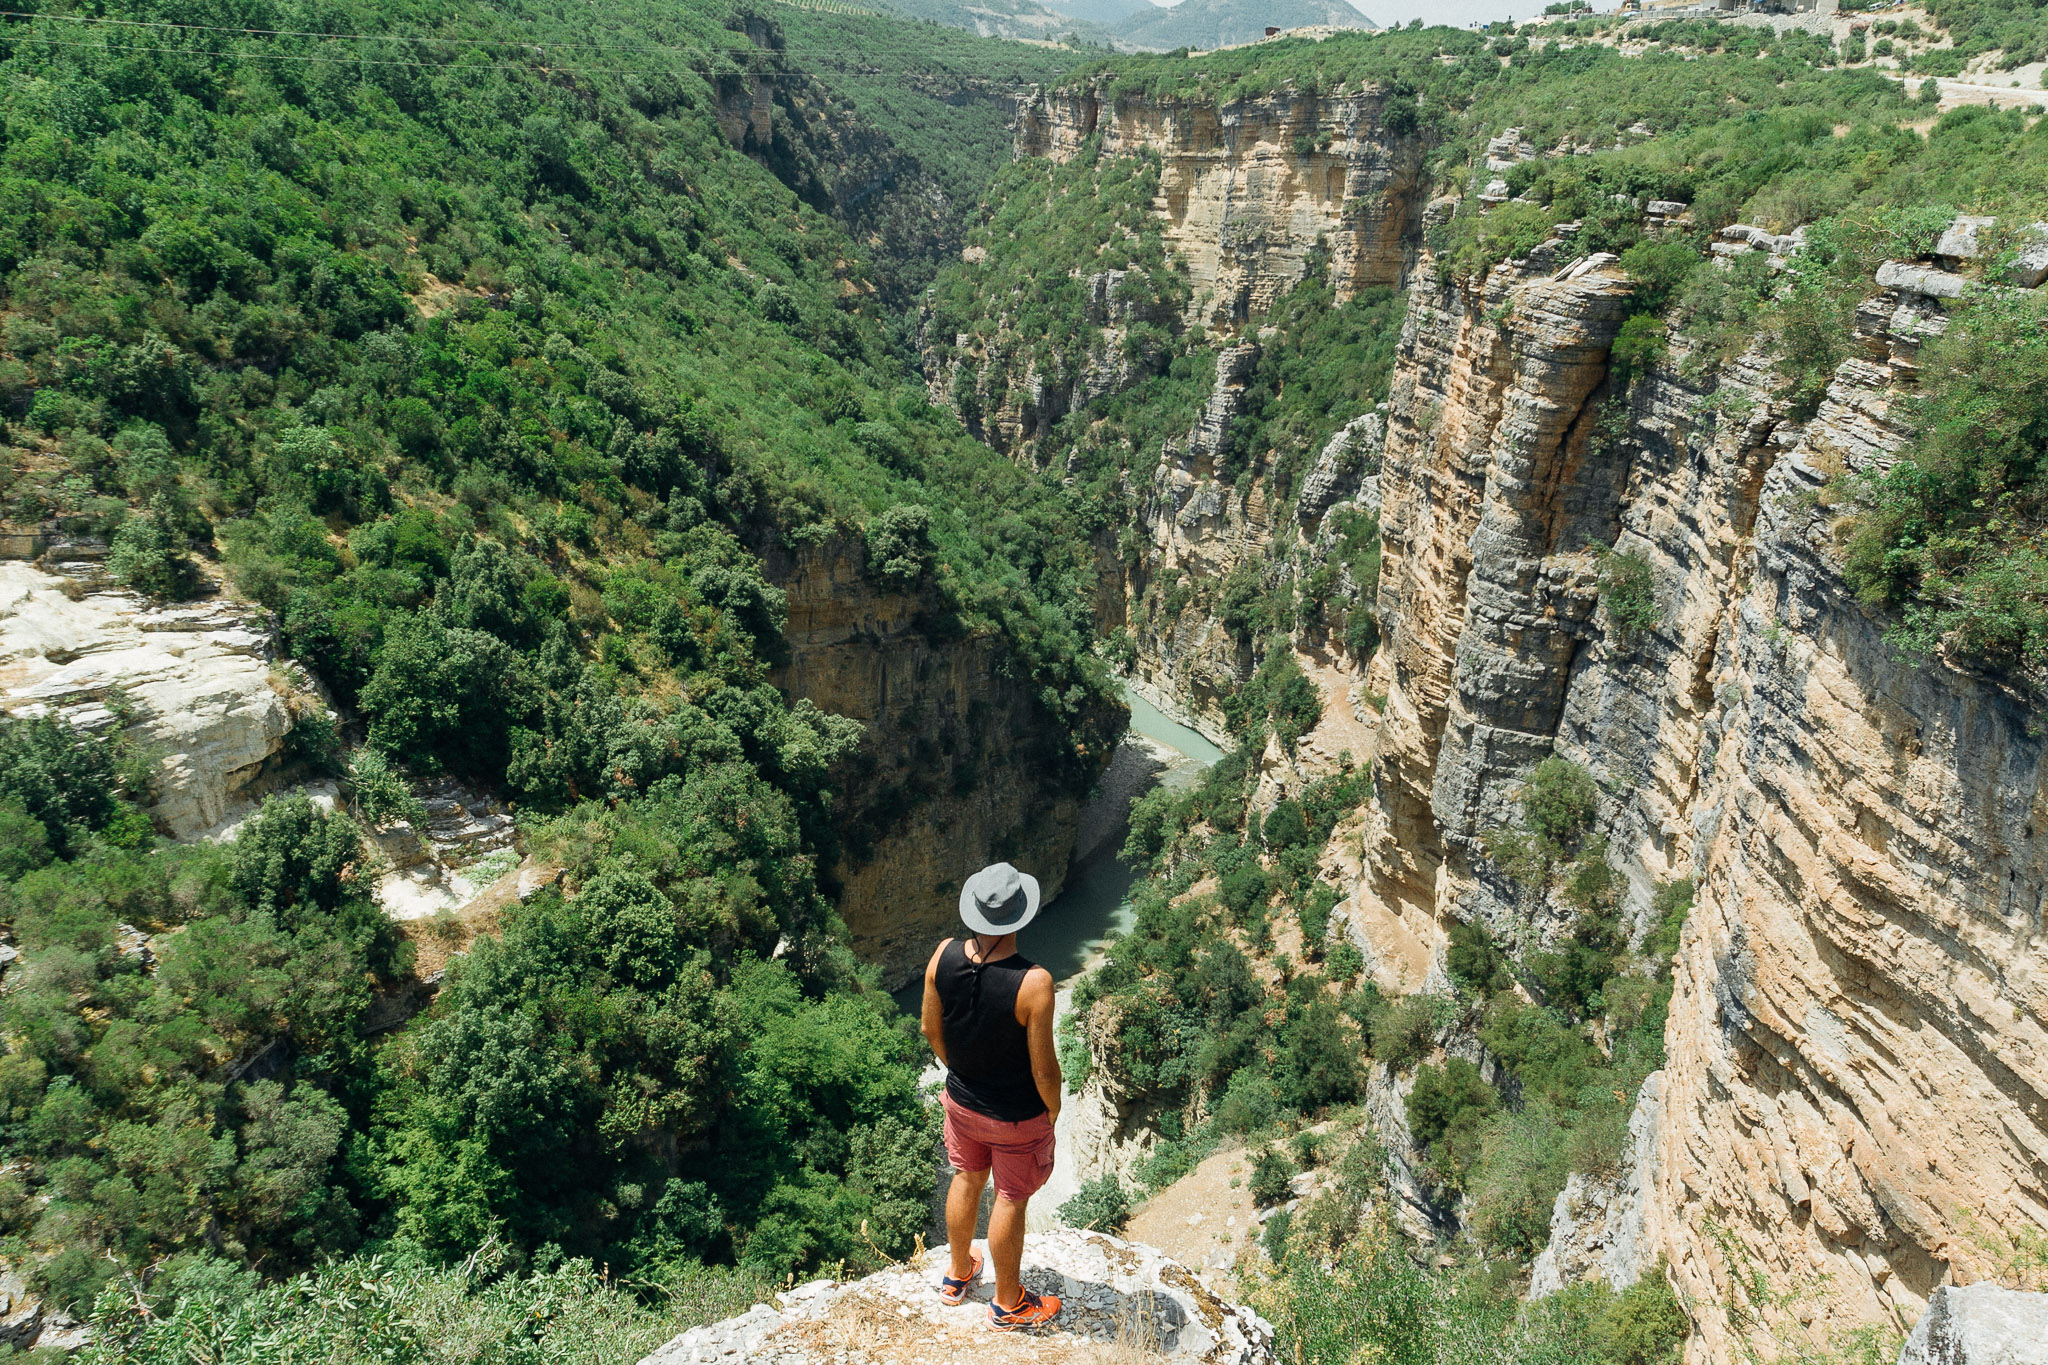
501,353
472,344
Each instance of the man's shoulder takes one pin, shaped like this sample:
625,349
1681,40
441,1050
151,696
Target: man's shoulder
937,953
1037,981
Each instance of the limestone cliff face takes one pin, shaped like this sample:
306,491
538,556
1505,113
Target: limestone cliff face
1853,1106
208,695
1247,191
1854,1096
961,765
1250,187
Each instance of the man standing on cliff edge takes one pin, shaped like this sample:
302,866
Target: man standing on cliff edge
988,1016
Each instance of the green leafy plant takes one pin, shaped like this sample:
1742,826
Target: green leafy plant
1101,1205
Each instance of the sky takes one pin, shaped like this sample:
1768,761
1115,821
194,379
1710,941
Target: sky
1456,13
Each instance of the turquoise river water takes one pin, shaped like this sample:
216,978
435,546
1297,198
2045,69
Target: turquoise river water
1095,906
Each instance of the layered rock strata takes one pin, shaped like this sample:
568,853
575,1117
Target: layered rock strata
198,683
1852,1106
1249,188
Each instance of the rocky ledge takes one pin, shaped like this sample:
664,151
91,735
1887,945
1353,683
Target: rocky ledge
1118,1296
208,690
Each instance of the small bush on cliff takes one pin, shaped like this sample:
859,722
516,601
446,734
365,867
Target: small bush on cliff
1560,802
1671,904
146,554
1101,1205
1446,1115
1628,589
1475,961
899,544
1272,1174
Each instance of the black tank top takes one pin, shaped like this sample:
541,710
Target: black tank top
988,1060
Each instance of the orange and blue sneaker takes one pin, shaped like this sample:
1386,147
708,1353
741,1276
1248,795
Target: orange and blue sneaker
954,1292
1030,1310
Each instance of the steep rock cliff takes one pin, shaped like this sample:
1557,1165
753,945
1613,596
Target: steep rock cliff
1249,188
961,764
1853,1101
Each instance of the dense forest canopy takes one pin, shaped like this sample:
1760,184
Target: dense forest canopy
471,342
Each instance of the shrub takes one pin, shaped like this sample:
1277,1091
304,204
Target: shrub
1401,1031
1284,826
1100,1205
1571,973
64,778
146,556
1446,1113
1248,1103
1644,1324
1639,345
1315,917
1245,891
1560,802
1475,961
899,545
1671,903
1272,1173
1628,589
1273,1237
1523,1164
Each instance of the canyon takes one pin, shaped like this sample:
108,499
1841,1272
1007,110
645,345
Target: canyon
1408,615
1852,1110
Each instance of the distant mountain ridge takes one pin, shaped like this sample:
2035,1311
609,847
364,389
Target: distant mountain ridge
1021,19
1134,24
1108,13
1219,23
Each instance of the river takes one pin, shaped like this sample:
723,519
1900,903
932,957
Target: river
1094,906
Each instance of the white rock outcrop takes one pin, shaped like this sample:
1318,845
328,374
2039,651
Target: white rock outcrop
199,675
1115,1294
1599,1227
1980,1324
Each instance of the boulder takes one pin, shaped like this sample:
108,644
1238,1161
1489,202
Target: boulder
199,676
1114,1293
1964,240
2030,262
1351,454
1920,279
1980,1324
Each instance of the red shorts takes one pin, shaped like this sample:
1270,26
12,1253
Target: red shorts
1019,1153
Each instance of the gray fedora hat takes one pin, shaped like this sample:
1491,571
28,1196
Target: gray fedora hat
999,900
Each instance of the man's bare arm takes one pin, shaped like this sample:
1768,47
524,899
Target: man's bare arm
1034,1003
930,1017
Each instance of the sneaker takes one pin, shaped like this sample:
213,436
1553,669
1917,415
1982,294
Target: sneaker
1030,1310
954,1292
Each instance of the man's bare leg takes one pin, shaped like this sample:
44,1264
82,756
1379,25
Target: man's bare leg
1006,1248
963,1211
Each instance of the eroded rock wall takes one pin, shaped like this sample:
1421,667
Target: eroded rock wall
200,684
1853,1102
961,764
1249,188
